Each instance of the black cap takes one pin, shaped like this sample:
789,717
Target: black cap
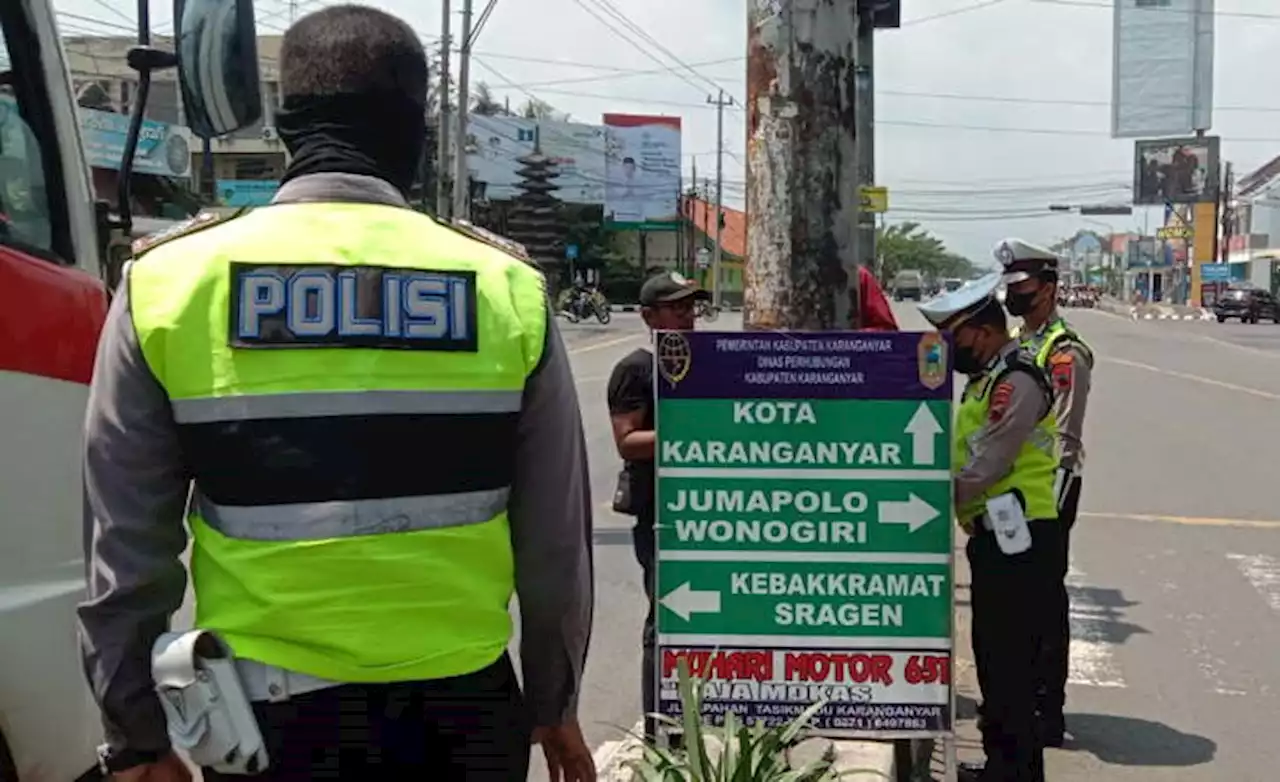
667,287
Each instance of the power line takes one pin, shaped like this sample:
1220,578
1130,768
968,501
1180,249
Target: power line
644,35
895,123
639,47
1163,10
953,12
623,73
1049,101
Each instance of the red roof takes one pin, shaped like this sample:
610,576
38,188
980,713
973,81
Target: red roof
733,237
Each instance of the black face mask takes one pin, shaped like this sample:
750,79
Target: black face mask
966,360
1020,304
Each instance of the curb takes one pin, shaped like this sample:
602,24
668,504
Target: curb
1136,313
1202,315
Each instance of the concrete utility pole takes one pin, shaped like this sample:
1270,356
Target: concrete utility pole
802,178
461,180
865,135
442,132
719,102
1227,214
692,270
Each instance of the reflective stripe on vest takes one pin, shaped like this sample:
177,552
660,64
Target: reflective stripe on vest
1034,469
350,507
347,518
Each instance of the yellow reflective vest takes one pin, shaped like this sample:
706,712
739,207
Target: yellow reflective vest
1043,343
347,381
1034,470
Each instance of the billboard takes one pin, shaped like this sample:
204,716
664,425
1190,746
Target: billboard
494,144
1175,170
1147,252
1162,67
642,166
163,149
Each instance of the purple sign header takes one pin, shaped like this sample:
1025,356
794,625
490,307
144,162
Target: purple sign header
802,365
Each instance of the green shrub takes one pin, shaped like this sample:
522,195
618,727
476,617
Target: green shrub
747,753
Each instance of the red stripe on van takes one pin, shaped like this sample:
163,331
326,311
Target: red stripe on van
50,317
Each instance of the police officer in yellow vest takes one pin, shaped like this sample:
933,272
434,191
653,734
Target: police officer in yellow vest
376,421
1005,462
1031,278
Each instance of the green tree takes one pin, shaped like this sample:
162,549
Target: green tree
535,108
484,103
907,245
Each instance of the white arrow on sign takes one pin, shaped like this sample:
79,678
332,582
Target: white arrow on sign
924,429
914,513
684,601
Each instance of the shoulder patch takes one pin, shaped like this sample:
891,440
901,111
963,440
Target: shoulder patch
1001,396
194,225
1063,374
485,236
301,305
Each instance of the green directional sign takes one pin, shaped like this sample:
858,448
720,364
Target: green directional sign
805,516
848,598
798,514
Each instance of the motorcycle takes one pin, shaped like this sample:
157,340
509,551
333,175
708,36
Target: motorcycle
585,305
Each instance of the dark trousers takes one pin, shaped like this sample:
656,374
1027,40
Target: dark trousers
1055,651
471,727
642,539
1009,595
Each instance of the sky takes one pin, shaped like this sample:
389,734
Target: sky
984,107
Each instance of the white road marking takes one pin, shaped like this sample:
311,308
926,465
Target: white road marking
1208,381
1092,664
590,346
1263,573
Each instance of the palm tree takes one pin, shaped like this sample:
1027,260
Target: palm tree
484,103
540,109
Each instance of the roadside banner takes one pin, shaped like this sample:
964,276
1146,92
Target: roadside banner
805,527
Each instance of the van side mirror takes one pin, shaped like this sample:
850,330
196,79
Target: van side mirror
217,52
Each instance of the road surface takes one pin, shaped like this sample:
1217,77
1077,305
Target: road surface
1176,567
1176,561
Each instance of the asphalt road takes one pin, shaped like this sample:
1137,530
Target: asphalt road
1176,561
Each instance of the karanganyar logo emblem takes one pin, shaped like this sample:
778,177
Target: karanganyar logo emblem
931,361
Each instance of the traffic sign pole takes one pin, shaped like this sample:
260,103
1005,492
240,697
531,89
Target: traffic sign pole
804,527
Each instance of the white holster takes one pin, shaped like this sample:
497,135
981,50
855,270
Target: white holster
209,717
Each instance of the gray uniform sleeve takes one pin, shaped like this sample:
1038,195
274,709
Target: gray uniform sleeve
996,446
135,491
550,514
1072,377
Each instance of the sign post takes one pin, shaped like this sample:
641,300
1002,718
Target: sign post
805,527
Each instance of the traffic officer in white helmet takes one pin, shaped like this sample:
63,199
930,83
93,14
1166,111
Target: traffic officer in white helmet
1003,473
1031,278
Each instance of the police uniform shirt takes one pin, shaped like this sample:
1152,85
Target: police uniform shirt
1017,405
1070,370
136,491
